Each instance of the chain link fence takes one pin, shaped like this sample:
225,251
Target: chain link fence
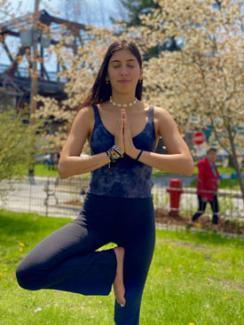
64,197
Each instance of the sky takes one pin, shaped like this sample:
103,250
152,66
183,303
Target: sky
94,12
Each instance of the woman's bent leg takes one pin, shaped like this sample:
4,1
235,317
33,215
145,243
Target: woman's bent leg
66,260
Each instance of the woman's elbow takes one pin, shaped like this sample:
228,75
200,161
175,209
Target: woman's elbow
62,171
189,167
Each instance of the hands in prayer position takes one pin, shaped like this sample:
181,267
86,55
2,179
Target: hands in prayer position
124,137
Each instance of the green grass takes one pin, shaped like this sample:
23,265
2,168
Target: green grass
195,278
231,184
222,170
43,170
40,170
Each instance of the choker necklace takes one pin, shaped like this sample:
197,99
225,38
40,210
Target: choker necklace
123,105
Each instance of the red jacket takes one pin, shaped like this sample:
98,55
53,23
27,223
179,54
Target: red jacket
207,180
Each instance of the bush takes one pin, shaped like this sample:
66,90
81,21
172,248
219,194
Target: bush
16,144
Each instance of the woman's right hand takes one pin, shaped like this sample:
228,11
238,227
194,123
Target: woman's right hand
119,136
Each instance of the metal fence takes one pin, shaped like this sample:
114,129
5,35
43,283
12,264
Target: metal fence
64,197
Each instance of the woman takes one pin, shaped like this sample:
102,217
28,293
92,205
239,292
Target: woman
123,133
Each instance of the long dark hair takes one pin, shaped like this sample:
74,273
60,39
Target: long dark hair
101,91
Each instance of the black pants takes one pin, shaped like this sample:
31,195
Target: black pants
202,207
67,259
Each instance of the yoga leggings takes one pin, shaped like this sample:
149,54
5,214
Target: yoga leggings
67,259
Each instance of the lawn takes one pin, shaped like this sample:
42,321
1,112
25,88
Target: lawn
196,278
44,170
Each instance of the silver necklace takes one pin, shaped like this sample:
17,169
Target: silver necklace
123,105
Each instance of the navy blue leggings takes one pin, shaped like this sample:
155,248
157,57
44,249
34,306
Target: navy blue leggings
67,259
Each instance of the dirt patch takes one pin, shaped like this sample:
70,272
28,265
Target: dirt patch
163,217
228,284
74,202
204,222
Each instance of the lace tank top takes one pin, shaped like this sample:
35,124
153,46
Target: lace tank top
127,177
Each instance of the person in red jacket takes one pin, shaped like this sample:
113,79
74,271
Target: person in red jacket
207,185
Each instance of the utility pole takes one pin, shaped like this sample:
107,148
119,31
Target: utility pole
34,72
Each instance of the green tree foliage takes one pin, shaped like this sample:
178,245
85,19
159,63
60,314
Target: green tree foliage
16,145
135,10
137,7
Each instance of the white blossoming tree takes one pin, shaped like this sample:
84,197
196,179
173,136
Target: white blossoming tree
81,67
205,78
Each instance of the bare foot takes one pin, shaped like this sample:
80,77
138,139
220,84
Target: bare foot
118,285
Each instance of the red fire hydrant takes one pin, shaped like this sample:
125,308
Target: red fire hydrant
174,190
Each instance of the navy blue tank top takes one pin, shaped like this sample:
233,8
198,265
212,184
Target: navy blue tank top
127,177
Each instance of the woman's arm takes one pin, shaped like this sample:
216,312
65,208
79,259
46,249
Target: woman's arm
70,162
179,159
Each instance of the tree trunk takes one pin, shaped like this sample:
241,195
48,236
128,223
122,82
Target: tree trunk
34,74
235,162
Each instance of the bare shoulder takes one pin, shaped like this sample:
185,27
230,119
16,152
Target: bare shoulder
163,121
161,113
85,113
84,118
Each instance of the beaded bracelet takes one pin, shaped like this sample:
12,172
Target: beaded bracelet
114,153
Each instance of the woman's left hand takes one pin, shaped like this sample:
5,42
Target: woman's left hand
130,149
